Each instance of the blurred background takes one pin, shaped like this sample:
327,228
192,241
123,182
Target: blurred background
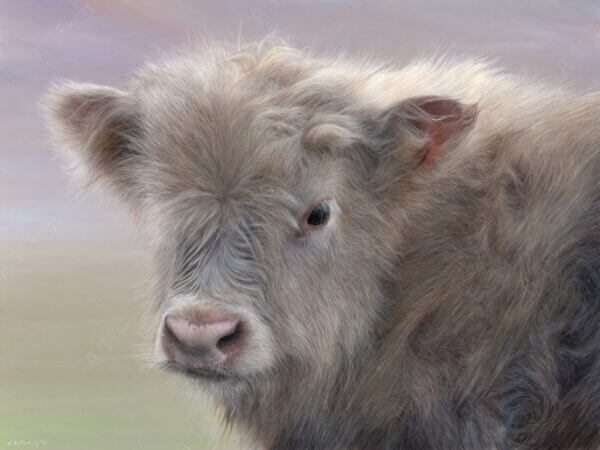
71,269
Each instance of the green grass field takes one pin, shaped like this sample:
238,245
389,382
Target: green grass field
71,371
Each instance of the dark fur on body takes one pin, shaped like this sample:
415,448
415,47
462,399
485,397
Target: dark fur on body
454,306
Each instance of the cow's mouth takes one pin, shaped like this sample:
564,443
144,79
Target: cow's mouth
199,373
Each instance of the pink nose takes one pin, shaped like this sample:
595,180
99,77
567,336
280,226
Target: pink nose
205,339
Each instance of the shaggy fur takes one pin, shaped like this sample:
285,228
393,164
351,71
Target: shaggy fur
452,300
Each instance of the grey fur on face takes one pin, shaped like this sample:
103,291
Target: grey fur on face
385,257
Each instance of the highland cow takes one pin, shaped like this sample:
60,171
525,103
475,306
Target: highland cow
352,255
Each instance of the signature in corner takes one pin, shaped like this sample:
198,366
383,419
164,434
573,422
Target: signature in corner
35,443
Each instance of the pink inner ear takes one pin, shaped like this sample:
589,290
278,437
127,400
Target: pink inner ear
447,118
433,152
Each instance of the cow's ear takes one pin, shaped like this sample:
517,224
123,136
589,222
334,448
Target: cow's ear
431,125
95,127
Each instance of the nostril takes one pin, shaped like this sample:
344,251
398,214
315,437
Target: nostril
230,341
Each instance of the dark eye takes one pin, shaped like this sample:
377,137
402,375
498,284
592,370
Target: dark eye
319,215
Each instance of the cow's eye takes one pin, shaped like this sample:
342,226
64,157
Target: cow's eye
319,215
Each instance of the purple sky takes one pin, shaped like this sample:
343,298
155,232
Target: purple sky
103,40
